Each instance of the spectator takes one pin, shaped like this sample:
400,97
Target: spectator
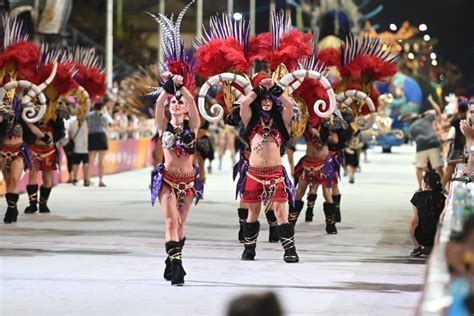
97,123
458,141
428,146
78,132
427,207
121,123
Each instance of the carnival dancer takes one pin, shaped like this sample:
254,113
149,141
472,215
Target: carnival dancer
266,112
18,60
317,167
45,155
176,182
344,134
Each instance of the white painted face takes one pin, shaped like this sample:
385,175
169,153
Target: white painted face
266,103
178,107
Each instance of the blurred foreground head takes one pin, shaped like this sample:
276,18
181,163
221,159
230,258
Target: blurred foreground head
265,304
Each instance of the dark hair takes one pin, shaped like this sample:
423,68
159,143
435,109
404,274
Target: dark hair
471,100
265,304
433,180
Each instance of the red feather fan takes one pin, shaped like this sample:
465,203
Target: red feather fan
373,67
24,57
62,82
221,55
310,91
294,46
92,80
330,57
260,47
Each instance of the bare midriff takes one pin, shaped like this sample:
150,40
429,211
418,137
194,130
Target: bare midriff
312,151
182,164
266,156
13,141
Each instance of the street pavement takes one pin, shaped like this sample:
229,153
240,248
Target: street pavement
101,251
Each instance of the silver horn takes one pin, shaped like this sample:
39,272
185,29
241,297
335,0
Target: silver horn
34,91
217,108
347,97
320,106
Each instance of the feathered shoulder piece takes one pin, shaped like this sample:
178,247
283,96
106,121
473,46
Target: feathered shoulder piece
18,56
177,60
89,72
369,57
283,45
223,47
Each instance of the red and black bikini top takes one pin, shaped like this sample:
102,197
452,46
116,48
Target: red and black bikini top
268,128
180,139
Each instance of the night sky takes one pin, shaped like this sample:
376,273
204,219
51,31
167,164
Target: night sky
452,22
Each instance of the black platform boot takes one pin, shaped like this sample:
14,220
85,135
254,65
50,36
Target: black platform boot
168,274
33,197
294,212
44,196
243,213
337,200
330,212
287,238
177,271
309,211
272,226
250,235
12,211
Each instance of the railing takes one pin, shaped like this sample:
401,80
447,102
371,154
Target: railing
123,155
436,297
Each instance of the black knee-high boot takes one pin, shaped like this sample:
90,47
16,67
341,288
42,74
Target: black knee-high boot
330,212
243,213
12,211
44,196
287,238
294,212
337,200
309,211
168,274
174,253
33,197
272,226
250,235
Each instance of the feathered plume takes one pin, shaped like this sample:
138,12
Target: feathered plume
90,74
18,55
368,56
178,61
283,45
223,47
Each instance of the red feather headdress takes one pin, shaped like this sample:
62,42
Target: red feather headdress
223,48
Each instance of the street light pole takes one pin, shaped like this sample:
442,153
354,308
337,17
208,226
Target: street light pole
230,6
109,42
252,17
199,18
